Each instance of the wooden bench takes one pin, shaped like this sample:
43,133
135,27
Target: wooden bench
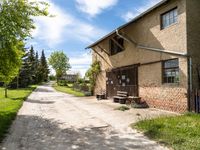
120,97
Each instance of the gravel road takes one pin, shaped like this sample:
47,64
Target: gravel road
50,120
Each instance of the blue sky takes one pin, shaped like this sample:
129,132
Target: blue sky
79,23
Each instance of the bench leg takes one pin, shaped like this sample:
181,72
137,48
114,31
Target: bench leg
115,100
122,101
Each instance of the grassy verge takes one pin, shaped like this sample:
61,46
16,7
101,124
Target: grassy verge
10,106
69,90
180,132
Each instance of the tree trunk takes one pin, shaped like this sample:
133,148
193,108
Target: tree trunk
6,91
17,81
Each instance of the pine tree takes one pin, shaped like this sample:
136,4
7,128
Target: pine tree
27,72
43,68
31,60
24,75
37,71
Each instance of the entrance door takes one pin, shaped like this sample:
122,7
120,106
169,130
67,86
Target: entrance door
122,79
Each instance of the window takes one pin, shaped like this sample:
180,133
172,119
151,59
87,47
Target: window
116,45
169,18
171,71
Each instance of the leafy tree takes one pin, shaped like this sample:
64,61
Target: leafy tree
43,68
9,68
60,63
16,24
16,18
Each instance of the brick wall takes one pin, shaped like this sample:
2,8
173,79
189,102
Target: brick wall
167,98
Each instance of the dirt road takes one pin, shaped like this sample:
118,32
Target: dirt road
51,120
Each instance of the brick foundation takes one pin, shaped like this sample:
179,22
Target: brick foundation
167,98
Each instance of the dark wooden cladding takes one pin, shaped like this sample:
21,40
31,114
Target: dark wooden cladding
122,79
195,101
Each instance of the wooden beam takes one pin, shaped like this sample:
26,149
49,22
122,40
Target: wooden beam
102,57
104,50
117,43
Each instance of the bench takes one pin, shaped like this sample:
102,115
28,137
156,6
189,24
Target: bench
120,97
101,95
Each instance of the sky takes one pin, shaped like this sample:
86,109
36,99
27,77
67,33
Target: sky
78,23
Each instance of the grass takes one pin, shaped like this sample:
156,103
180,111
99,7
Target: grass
179,133
10,106
69,90
122,108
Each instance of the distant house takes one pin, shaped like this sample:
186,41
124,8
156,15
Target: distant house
155,56
70,77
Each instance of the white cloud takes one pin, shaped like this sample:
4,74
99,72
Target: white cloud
133,13
62,27
84,59
81,63
94,7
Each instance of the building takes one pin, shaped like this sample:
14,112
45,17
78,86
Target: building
155,56
70,77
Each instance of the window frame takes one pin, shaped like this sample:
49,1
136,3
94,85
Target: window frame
168,68
111,48
162,27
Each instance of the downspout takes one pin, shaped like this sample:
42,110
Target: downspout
131,41
189,82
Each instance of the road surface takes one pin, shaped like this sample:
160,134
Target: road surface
50,120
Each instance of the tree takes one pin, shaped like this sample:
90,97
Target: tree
9,68
31,63
60,63
16,24
27,70
16,18
24,73
43,68
37,68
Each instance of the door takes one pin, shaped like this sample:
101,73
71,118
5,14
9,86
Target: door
122,79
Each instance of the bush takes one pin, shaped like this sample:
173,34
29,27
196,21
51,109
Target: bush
52,78
88,93
62,82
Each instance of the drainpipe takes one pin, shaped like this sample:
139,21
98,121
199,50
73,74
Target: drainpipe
189,82
131,41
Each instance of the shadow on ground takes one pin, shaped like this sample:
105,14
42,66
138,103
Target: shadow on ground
33,132
43,89
39,102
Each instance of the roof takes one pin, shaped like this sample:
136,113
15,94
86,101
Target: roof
130,22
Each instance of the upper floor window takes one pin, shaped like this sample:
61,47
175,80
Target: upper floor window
169,18
116,45
171,71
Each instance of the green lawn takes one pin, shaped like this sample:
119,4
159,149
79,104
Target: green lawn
69,90
10,106
180,132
